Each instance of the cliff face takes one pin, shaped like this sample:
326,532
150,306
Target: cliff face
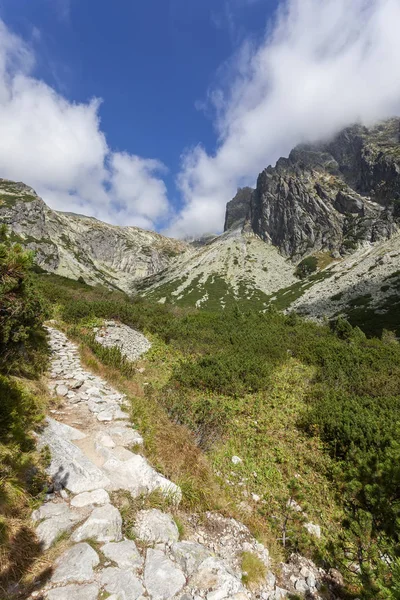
237,210
334,196
77,246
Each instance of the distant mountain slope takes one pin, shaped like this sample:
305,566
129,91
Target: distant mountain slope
234,266
78,246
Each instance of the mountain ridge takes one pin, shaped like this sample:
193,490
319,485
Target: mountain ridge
325,212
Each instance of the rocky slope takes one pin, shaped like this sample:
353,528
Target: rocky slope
237,210
334,196
235,266
77,246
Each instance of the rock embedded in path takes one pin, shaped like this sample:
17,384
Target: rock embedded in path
137,476
69,466
74,592
56,518
154,526
121,582
103,525
97,497
123,435
163,579
76,565
125,554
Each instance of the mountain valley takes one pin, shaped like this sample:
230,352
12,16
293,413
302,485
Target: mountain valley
333,207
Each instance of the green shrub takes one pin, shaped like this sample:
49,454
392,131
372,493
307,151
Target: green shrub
22,310
306,267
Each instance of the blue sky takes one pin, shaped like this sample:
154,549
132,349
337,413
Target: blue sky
197,96
151,63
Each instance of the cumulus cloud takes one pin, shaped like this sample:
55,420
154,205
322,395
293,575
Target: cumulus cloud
58,148
323,64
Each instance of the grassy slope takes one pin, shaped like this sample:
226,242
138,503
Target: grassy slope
271,389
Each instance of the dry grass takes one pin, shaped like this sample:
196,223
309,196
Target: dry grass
254,570
170,447
23,562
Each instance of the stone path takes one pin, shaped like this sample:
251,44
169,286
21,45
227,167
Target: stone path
92,443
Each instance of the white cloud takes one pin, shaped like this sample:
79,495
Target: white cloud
322,65
58,148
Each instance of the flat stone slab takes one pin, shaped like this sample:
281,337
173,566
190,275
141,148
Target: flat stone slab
121,582
137,476
125,554
57,519
154,526
124,435
74,592
97,497
76,565
162,578
69,467
103,525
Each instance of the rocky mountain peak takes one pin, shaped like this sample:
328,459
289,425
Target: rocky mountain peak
333,196
237,210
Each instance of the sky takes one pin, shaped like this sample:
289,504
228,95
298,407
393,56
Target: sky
153,113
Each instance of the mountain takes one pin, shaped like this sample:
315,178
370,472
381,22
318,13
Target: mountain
320,234
235,266
334,196
335,203
77,246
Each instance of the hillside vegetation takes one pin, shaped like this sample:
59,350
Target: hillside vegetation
312,412
23,357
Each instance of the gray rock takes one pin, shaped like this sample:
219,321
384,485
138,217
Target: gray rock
74,592
123,583
313,529
138,477
69,467
97,497
163,580
65,431
189,555
154,526
49,510
125,554
58,519
103,525
124,435
301,586
61,390
214,577
75,565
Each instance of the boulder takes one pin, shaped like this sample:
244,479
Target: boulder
69,467
215,577
97,497
189,555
